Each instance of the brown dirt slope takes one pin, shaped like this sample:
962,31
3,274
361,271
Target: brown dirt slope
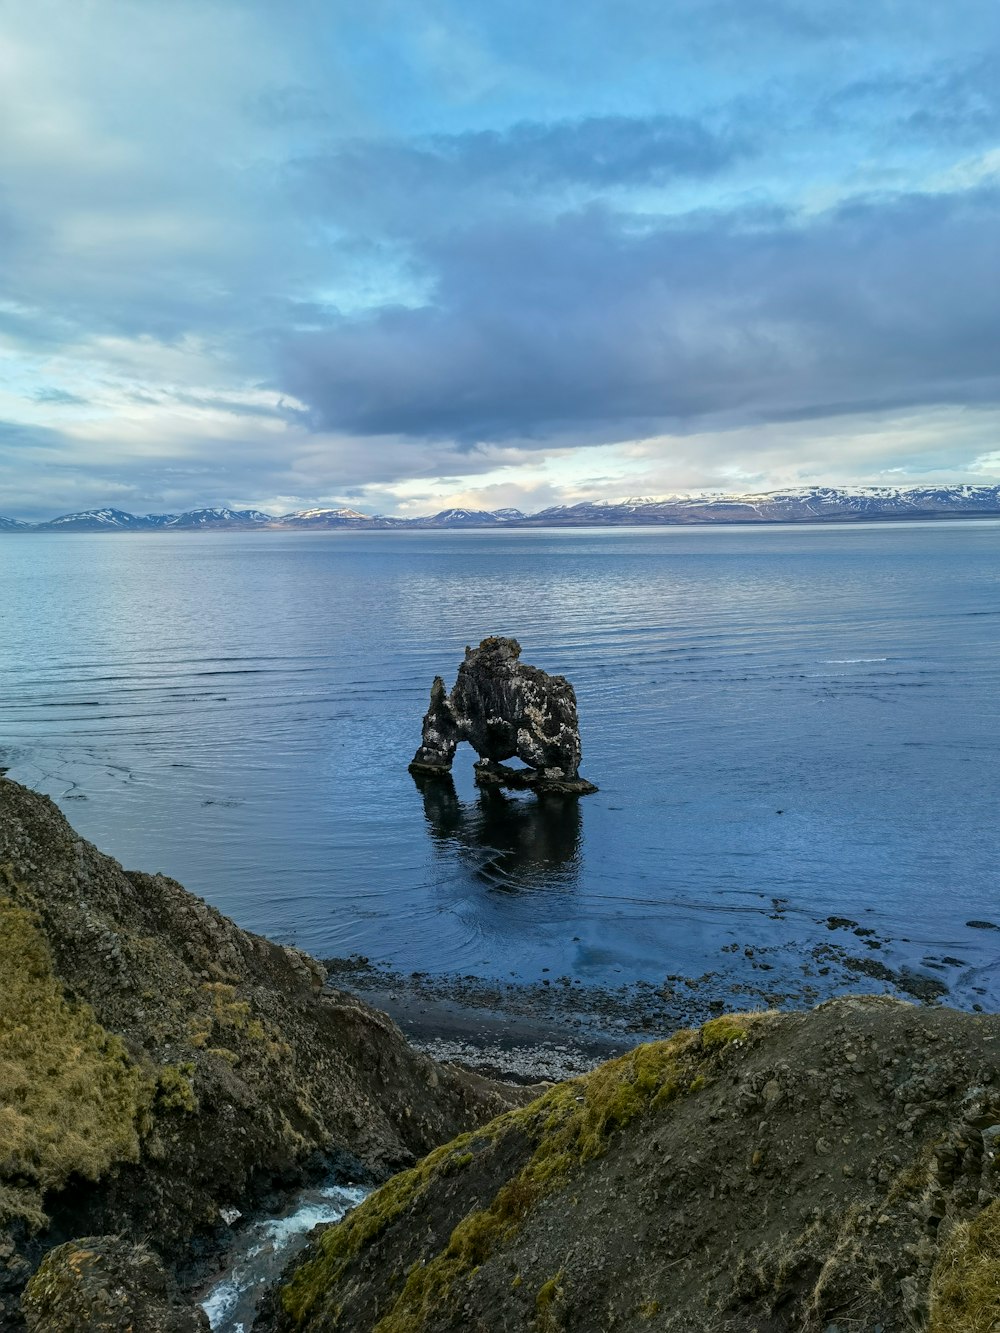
825,1170
157,1062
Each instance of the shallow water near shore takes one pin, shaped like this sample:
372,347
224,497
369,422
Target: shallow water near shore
786,724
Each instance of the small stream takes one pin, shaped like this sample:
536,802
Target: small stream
263,1248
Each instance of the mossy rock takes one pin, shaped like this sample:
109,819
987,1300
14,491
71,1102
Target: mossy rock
103,1284
567,1127
779,1171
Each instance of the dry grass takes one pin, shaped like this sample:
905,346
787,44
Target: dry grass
965,1284
70,1099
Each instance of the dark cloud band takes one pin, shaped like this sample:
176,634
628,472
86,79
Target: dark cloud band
591,321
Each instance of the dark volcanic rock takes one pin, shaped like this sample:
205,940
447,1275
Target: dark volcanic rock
441,734
107,1285
784,1173
505,709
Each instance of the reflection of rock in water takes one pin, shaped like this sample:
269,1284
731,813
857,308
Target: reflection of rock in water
527,843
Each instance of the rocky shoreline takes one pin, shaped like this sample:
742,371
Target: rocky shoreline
558,1027
677,1166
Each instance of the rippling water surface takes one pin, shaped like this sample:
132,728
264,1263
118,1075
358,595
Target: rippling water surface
785,723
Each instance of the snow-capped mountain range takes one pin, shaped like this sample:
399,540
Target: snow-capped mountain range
811,504
117,520
799,505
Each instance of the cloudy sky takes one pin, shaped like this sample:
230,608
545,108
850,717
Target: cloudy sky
410,253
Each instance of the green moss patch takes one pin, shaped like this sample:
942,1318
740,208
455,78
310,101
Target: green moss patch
70,1099
568,1126
342,1243
550,1294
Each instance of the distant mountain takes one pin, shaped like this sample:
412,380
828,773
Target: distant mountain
468,518
153,522
810,504
95,520
334,518
117,520
806,505
353,518
212,518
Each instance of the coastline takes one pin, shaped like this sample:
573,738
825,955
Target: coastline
528,1032
242,1070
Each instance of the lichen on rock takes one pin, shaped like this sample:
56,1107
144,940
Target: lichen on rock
505,709
106,1284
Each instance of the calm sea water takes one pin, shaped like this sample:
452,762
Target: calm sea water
785,723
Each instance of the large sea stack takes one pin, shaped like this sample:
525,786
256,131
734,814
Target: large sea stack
505,709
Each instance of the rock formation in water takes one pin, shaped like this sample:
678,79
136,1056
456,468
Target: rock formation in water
505,709
159,1065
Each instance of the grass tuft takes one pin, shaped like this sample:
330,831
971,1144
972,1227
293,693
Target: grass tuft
550,1293
965,1283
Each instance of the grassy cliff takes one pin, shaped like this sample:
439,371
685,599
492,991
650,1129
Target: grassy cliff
71,1100
158,1063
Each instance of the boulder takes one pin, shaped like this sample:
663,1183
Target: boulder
107,1285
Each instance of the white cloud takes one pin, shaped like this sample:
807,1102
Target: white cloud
399,253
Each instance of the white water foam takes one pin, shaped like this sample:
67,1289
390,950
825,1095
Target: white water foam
264,1248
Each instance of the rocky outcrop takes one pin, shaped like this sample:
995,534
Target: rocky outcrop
505,709
158,1064
794,1173
107,1285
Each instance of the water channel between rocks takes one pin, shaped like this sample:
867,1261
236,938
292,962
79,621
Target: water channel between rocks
263,1248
